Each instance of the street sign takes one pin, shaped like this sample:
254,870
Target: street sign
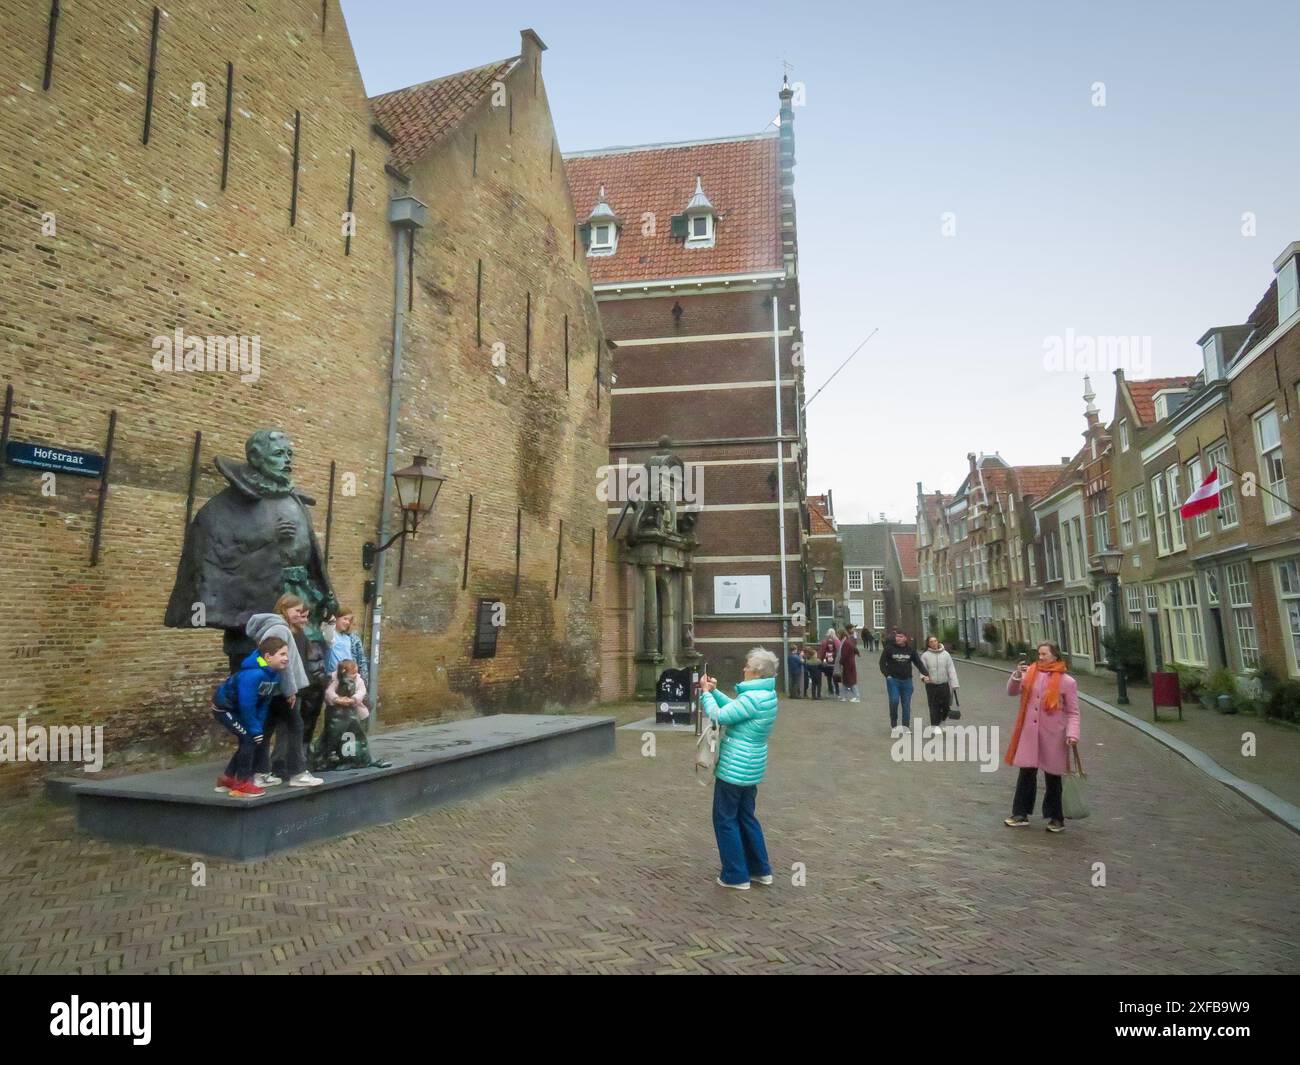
57,459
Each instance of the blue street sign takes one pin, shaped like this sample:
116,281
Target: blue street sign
58,459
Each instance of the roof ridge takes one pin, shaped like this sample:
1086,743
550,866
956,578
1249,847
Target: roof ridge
627,149
445,77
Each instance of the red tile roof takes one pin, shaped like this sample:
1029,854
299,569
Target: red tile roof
741,177
421,115
905,548
1143,394
1036,480
818,522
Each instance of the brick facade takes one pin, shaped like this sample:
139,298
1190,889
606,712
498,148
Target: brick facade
147,241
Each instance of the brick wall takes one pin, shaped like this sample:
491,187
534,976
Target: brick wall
147,241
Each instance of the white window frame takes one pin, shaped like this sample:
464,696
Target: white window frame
878,614
602,245
1160,513
1174,501
1125,522
1133,601
853,579
1141,514
1194,478
1123,435
877,580
1286,577
1243,615
1275,510
1217,457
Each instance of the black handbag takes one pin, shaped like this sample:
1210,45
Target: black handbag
954,714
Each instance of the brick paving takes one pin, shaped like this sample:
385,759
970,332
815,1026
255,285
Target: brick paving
609,868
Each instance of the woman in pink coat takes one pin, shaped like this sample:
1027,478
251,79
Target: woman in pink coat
1048,723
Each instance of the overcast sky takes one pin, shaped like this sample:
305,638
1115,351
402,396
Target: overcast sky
1093,163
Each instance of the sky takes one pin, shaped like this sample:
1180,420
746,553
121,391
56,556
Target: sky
994,187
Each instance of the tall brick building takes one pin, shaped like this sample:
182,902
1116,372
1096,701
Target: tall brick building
190,170
692,252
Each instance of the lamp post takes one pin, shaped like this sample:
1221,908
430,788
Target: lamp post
417,490
1111,562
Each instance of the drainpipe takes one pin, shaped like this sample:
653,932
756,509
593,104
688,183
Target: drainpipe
406,214
780,489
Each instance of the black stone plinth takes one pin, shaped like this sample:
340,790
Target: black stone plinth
178,809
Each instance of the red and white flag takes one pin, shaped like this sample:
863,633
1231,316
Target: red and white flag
1204,498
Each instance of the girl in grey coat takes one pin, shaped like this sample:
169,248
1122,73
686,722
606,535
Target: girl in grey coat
942,681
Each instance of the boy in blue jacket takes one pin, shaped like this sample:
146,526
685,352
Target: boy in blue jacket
240,706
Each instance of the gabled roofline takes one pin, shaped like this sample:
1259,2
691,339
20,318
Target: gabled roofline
625,149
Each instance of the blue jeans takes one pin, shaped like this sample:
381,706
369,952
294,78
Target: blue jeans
740,836
899,691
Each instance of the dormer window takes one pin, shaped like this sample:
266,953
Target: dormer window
1287,267
698,223
600,232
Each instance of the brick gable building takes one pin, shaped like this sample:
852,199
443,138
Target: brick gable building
692,253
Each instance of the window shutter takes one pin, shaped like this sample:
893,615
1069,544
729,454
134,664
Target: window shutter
584,234
679,228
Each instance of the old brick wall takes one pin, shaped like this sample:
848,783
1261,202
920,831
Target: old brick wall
146,242
523,442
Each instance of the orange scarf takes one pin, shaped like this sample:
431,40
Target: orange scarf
1051,699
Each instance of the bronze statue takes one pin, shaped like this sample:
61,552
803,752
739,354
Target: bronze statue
249,544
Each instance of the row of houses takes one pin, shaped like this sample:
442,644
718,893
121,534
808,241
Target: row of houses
1026,553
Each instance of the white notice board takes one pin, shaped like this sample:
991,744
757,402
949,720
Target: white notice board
744,594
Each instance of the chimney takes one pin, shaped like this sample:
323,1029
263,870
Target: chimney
531,46
830,504
1065,460
970,457
1090,412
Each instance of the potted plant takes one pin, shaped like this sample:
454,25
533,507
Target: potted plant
1220,689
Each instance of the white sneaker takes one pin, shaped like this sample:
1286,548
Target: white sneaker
855,700
895,732
304,780
734,887
906,729
766,881
266,780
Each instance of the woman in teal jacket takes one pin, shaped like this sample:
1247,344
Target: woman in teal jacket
747,720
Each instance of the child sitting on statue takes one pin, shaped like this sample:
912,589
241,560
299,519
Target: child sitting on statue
344,744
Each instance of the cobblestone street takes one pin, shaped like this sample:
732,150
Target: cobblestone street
610,865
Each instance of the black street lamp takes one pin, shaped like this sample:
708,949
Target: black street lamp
417,490
1111,563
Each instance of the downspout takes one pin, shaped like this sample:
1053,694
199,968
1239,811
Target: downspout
406,214
780,490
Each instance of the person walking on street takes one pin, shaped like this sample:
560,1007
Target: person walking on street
795,663
896,662
812,672
829,653
748,720
942,685
849,652
1046,727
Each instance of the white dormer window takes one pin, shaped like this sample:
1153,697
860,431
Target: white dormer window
1213,354
1288,288
698,223
1123,435
601,229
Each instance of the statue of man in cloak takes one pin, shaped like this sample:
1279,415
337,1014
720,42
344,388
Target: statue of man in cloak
248,545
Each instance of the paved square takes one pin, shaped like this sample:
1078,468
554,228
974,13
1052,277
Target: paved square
609,868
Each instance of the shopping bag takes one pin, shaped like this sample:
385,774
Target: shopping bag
1074,799
706,751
